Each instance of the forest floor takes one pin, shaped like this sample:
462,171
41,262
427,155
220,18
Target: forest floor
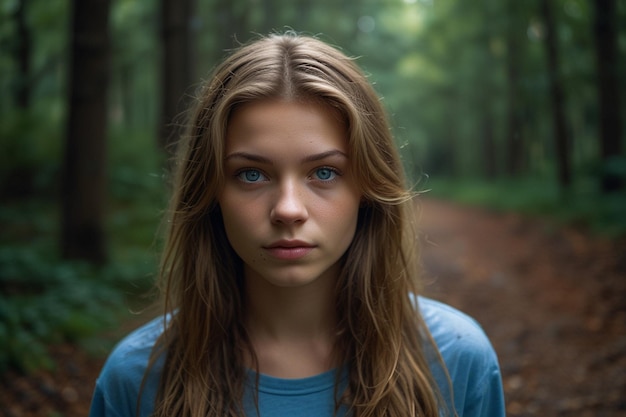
552,301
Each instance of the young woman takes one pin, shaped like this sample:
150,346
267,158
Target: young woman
289,275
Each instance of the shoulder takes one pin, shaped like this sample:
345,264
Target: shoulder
453,329
120,381
470,360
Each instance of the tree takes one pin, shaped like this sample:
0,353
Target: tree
488,89
23,56
231,25
610,128
177,66
556,97
83,181
269,16
515,138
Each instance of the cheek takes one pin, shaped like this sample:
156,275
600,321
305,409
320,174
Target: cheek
343,217
233,217
243,220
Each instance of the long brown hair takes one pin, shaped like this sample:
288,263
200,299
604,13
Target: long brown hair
381,336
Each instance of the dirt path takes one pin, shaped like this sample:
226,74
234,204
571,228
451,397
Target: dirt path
552,301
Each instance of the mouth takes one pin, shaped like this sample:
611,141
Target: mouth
289,249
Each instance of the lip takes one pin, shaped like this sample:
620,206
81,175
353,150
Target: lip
289,249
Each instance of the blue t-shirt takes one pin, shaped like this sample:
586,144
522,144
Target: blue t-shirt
466,351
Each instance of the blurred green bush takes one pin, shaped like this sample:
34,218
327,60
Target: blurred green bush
582,205
47,301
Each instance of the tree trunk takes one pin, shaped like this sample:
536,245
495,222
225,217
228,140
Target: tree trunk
610,131
489,156
515,143
269,18
490,169
231,21
176,67
23,57
561,139
83,196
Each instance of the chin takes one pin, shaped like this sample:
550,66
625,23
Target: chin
292,282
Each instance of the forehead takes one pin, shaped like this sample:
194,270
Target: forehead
281,126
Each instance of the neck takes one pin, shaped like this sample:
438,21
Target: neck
286,312
292,329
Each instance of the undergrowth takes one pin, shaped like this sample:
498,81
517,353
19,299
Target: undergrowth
46,300
582,205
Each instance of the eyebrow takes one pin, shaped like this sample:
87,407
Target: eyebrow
309,158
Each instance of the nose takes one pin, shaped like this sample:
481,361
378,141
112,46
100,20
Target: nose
289,206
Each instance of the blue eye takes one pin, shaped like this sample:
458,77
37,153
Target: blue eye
250,175
325,174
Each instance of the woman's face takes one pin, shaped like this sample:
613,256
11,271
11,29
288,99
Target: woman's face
290,201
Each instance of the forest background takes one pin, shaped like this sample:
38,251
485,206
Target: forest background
514,105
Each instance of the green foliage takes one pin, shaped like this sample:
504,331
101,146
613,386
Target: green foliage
44,301
584,205
137,167
29,151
